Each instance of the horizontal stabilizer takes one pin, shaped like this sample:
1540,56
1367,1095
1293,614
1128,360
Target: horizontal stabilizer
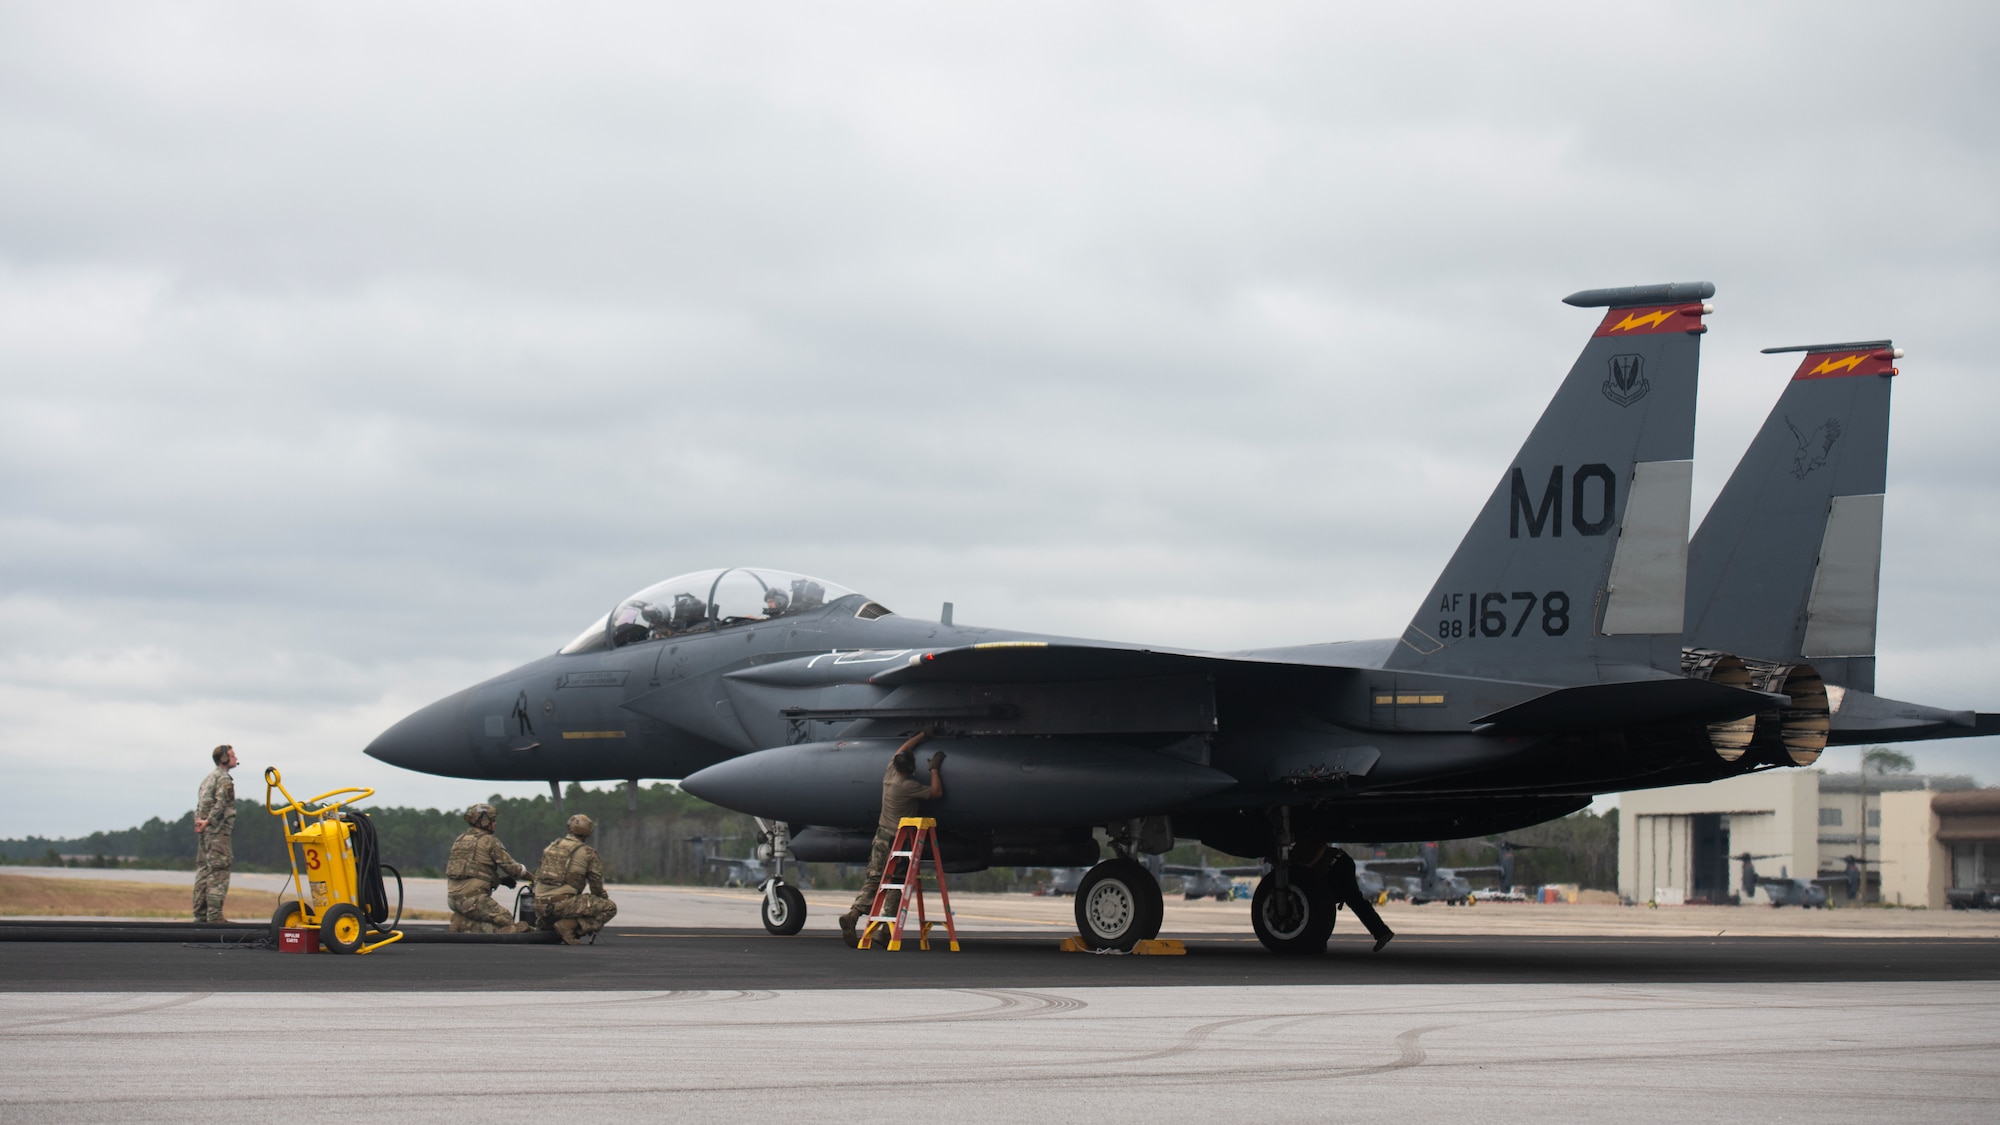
1863,717
1636,703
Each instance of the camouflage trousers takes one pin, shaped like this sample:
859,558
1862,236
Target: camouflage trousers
589,912
214,853
478,914
878,858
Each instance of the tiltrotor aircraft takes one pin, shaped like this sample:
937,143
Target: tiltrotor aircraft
1574,645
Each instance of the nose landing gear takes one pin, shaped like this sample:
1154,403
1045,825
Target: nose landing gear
784,908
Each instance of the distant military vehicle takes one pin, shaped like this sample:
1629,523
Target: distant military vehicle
1218,883
1785,890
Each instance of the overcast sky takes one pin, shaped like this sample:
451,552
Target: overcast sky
353,353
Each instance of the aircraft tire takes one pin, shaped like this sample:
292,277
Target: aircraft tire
785,915
1305,928
1118,905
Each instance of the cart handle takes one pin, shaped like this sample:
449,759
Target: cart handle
272,780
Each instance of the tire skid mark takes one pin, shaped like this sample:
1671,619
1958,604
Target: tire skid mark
188,998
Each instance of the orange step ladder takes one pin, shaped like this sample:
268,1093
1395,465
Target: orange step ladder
916,840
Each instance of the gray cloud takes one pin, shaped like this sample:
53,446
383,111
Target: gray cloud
350,355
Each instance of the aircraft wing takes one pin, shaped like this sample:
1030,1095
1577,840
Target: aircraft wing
1478,872
1041,662
1472,704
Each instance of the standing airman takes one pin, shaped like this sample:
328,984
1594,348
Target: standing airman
215,835
900,793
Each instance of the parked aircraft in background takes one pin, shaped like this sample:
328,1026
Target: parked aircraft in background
1218,883
1554,659
1785,890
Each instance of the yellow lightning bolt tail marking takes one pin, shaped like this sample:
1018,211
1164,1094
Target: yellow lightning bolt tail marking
1827,365
1650,320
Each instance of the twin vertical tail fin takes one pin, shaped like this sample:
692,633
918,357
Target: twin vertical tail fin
1787,564
1578,561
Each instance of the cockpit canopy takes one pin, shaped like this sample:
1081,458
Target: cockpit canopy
708,600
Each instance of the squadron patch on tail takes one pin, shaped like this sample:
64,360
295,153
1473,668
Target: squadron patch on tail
1822,436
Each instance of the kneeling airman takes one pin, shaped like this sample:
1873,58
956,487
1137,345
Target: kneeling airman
569,886
479,863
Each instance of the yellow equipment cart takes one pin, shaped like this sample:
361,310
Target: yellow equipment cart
336,871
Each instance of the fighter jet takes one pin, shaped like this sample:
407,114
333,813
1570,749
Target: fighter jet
1545,666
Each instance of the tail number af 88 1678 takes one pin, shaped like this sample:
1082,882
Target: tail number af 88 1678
1494,614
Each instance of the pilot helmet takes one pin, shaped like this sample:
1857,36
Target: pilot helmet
581,826
482,815
777,600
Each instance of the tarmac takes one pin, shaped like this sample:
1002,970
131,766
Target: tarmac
642,904
686,1009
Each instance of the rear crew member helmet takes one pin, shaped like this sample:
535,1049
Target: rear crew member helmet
581,826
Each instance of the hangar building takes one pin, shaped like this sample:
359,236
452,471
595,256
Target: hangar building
1936,832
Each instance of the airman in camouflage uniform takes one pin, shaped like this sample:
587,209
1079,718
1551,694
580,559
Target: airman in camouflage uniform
479,863
900,793
569,887
214,836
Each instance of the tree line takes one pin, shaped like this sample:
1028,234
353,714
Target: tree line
662,835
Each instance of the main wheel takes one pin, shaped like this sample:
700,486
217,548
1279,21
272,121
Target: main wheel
785,912
343,929
1297,920
1118,905
288,916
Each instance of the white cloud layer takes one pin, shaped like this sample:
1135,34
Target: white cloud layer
349,354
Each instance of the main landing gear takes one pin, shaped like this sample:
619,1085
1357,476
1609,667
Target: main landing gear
1118,905
1295,914
1294,908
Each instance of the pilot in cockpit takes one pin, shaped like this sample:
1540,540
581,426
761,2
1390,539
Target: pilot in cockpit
776,603
659,626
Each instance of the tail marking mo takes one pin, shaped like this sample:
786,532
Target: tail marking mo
1523,505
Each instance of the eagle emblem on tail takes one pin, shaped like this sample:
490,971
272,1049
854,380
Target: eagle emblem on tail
1814,446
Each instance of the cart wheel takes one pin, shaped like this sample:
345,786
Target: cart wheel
342,929
787,914
288,916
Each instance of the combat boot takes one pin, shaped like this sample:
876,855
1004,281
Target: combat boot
847,922
520,928
566,930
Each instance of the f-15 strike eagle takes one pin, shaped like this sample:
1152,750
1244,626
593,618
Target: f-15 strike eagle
1570,648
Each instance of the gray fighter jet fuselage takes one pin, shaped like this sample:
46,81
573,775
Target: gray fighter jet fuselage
1548,664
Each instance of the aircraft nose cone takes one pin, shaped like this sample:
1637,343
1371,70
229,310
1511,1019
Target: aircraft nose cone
434,739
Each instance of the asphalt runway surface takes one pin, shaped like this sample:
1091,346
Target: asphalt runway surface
1827,1052
654,958
706,1024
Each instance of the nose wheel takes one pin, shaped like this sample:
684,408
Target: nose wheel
784,910
1118,905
